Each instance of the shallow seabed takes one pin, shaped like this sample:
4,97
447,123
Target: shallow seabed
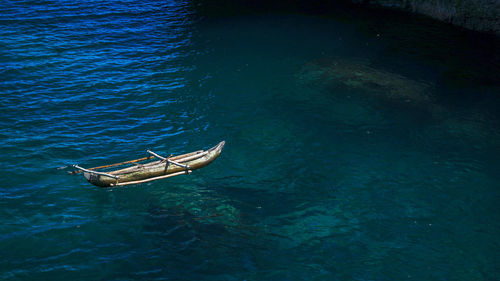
360,146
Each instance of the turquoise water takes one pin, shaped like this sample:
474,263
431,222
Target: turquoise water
360,145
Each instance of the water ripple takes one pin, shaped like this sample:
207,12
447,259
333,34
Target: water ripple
317,180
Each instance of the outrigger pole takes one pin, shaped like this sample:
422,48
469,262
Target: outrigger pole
168,160
153,179
94,172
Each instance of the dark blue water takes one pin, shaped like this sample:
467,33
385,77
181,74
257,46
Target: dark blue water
360,145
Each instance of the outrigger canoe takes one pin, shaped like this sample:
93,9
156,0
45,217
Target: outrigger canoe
139,173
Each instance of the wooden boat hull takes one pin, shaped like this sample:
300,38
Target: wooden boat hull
156,169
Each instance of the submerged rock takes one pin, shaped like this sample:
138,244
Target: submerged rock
311,224
360,76
342,77
193,205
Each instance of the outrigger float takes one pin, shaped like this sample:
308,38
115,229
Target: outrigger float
164,168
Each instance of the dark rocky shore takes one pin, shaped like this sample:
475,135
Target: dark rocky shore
476,15
479,15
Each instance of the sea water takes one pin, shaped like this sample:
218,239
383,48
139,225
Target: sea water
359,145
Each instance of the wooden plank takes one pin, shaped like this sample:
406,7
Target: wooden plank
116,164
192,157
185,155
153,179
